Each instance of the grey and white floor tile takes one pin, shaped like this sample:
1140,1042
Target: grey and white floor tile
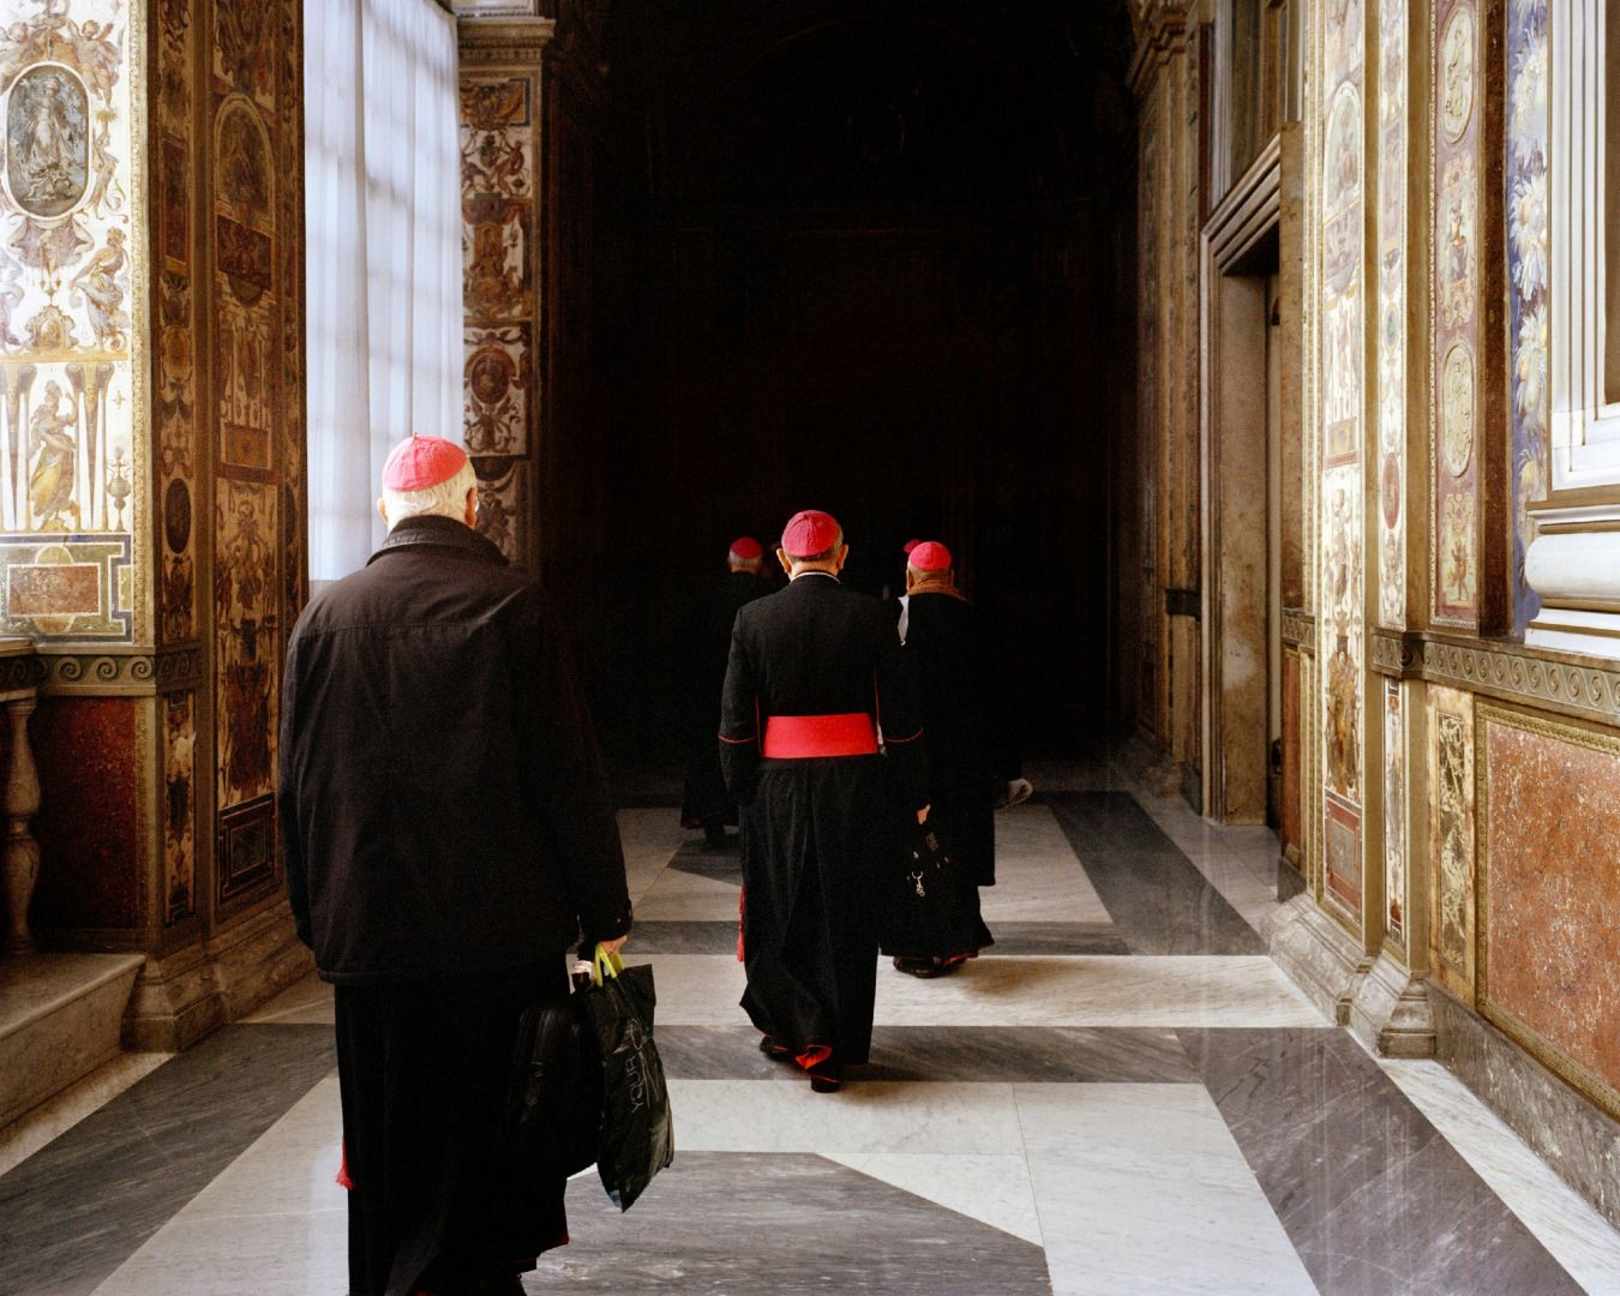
1123,1095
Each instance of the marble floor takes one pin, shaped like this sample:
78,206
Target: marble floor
1124,1095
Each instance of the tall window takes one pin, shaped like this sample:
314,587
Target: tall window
383,236
1585,91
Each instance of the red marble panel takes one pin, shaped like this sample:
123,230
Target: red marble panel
49,590
1293,833
89,872
1550,893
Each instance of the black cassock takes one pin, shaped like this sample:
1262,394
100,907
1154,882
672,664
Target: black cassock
708,641
968,750
820,833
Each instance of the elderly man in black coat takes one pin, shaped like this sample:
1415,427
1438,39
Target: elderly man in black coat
815,674
448,836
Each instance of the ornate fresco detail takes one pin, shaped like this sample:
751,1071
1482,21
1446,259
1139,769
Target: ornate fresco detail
1340,308
1455,402
1457,409
1458,208
1529,297
1395,824
1397,656
1456,80
500,389
246,622
1549,805
1299,629
70,465
179,806
1526,675
1392,269
174,387
125,674
1451,784
500,179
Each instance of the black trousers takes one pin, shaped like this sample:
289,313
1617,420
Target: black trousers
436,1201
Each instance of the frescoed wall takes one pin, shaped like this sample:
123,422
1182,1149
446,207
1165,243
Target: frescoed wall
501,193
1341,304
72,459
1529,263
253,242
1458,372
1393,95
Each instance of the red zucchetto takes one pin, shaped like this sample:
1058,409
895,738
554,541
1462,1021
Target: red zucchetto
930,556
420,462
746,548
810,533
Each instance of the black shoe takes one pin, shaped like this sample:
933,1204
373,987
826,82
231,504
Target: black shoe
717,838
826,1077
774,1049
917,967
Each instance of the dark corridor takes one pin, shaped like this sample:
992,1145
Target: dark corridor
872,258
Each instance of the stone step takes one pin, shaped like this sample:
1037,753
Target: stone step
61,1017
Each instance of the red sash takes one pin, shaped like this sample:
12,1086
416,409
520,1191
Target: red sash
806,736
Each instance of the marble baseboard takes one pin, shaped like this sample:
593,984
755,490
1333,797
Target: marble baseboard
60,1019
947,1053
1390,1012
1362,1181
1290,881
1319,955
1578,1140
58,1114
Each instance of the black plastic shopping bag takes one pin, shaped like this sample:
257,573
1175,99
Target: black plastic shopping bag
638,1135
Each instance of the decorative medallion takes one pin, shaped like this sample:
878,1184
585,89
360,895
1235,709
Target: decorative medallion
1457,73
1389,490
1457,409
47,139
177,515
1341,158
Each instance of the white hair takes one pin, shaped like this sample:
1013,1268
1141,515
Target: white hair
447,499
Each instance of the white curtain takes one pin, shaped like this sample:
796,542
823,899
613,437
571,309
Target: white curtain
383,255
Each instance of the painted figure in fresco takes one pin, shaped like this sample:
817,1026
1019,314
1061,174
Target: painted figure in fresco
98,57
248,562
11,295
1344,720
449,835
47,140
55,456
102,294
108,194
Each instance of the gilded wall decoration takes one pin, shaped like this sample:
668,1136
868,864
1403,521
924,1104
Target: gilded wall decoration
180,806
1529,296
1549,806
1451,847
1340,303
1455,341
500,388
70,463
252,388
1392,270
246,600
174,389
500,182
1395,822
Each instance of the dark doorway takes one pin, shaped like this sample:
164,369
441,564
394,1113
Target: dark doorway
874,258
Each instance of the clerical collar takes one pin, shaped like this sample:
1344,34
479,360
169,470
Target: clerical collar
827,574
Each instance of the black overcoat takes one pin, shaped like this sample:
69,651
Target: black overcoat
442,800
819,834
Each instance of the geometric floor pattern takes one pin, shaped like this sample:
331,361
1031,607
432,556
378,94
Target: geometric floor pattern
1123,1095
